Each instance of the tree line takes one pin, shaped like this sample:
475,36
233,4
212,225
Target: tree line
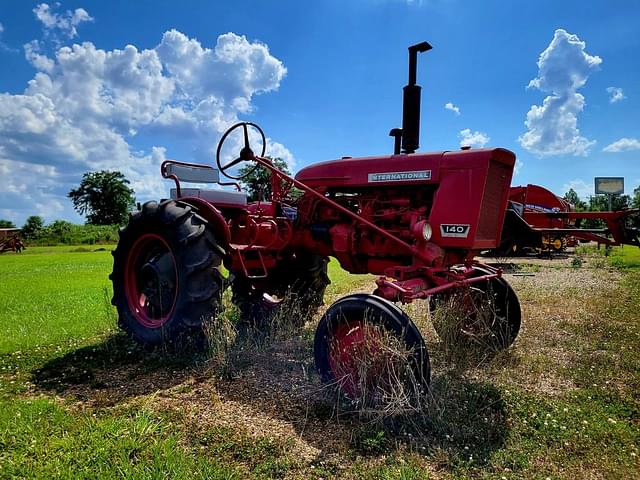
61,232
105,199
600,203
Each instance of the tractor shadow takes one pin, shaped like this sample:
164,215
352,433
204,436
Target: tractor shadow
276,383
112,371
464,419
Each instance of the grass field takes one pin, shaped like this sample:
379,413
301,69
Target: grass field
50,296
626,258
79,400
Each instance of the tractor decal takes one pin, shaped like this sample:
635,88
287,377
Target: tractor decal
454,230
399,176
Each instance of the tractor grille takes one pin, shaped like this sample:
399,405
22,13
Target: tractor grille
493,207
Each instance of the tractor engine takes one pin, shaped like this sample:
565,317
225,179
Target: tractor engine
422,210
359,249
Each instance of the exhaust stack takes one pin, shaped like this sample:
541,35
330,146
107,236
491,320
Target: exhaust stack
410,132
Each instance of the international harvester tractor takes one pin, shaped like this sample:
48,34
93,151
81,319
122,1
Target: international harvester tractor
416,220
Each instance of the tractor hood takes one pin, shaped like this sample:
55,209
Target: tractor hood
398,170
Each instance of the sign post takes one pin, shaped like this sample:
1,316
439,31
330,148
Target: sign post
609,186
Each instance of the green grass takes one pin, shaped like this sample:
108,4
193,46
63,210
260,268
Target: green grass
342,282
58,336
52,296
56,295
39,439
55,316
58,249
625,257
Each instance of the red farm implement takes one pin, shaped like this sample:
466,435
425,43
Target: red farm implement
538,220
10,240
417,220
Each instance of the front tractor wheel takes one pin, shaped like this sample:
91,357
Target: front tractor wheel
372,351
166,281
485,315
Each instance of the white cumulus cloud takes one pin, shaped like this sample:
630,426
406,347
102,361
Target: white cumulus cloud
64,23
472,139
86,108
582,188
32,52
452,107
623,145
616,94
563,68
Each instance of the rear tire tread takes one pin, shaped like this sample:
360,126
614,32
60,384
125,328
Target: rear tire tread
197,258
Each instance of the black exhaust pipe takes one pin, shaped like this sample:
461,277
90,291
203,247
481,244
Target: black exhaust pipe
410,105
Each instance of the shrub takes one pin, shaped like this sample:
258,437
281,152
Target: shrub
61,232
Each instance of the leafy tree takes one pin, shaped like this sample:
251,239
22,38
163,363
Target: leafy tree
572,197
33,228
635,202
59,228
104,197
258,182
6,224
600,203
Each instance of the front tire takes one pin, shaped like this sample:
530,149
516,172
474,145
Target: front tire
485,314
369,348
166,281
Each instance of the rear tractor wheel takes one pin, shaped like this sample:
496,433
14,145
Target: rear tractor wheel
296,290
372,351
166,281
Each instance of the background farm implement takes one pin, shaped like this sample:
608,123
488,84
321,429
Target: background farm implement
10,240
539,221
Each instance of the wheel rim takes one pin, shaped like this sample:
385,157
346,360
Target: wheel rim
151,281
355,356
481,320
480,314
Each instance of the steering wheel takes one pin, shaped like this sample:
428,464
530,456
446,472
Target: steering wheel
246,153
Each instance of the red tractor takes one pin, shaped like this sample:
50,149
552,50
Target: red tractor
417,220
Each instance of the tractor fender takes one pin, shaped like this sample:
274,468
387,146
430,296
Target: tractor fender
212,215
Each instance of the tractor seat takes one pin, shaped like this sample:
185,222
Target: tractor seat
214,196
196,173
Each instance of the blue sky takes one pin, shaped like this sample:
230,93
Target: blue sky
122,85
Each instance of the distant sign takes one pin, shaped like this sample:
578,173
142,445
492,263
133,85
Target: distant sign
609,185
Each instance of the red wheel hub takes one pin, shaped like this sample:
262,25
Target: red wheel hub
354,356
479,316
151,280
